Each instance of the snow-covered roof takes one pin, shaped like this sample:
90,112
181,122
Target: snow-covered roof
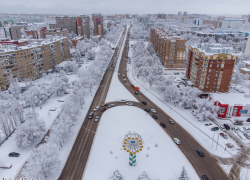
62,64
247,62
246,69
232,98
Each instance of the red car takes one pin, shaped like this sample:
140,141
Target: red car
224,135
103,109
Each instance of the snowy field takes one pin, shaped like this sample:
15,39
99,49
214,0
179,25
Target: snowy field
163,162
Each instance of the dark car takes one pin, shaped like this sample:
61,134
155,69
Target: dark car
248,120
14,154
162,124
103,109
154,116
204,177
144,102
200,152
136,92
227,126
214,129
146,109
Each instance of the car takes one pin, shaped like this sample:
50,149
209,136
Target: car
136,92
222,128
144,102
123,76
177,141
224,135
52,109
200,152
91,115
146,109
163,125
14,154
178,86
214,129
247,135
154,116
171,121
119,74
124,80
248,120
204,177
96,108
227,126
130,104
153,110
103,109
96,118
122,101
6,166
105,104
235,129
111,105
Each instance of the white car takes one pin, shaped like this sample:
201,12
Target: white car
130,104
177,141
222,128
124,80
153,110
96,118
122,101
123,75
235,129
119,74
97,107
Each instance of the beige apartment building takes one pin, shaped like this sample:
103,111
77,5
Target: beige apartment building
31,61
210,67
169,48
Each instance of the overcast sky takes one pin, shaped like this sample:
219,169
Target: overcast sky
237,7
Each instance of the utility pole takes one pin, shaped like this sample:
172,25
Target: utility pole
213,140
217,141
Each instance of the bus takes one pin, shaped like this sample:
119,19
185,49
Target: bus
135,88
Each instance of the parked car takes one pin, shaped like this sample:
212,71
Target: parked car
119,74
147,110
238,122
204,177
122,101
200,152
154,116
235,129
91,115
96,108
123,76
6,166
248,120
215,129
130,104
136,92
224,135
111,105
247,135
96,118
162,124
171,121
227,126
241,129
177,141
222,128
105,104
103,109
124,80
144,102
153,110
52,109
14,154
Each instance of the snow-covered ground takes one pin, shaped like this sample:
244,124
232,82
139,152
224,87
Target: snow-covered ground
164,161
245,173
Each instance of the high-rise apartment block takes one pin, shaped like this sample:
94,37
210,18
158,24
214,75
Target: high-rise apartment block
98,24
210,67
185,13
68,23
179,13
169,48
83,26
12,32
31,61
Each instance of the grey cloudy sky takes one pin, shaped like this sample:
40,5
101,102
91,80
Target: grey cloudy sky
126,6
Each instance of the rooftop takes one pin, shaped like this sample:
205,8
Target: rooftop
231,98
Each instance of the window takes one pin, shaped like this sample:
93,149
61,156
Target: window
218,65
235,109
210,65
222,65
222,110
207,82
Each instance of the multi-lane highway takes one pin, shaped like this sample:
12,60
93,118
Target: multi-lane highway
77,160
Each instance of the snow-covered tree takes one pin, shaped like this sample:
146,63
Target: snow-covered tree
59,86
205,109
14,88
116,176
28,133
184,175
143,176
43,163
237,77
70,66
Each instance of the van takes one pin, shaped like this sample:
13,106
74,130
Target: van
91,115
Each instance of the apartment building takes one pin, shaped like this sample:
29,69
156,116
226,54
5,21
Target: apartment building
31,61
68,23
12,32
169,48
37,34
50,33
98,24
83,26
210,67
